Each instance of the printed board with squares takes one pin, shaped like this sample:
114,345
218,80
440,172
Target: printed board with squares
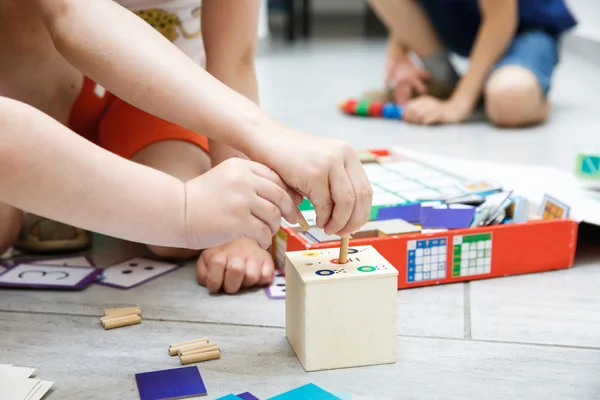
472,255
426,259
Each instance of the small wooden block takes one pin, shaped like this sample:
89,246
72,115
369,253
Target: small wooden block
341,315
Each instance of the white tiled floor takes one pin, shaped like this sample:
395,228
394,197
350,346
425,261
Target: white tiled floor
527,337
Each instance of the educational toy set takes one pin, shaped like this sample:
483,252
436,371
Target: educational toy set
437,227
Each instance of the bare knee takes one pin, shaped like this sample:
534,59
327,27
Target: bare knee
169,253
11,222
514,98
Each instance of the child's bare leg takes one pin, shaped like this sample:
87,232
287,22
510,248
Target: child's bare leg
514,98
11,220
182,160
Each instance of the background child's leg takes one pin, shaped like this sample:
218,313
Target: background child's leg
182,160
516,91
11,220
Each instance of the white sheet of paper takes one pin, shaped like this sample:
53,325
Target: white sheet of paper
133,272
9,372
529,181
40,390
67,262
34,274
2,269
18,388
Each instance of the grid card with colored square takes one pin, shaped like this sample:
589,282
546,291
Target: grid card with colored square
553,209
177,383
472,255
426,259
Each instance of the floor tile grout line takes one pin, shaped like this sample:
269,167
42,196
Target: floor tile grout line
563,346
467,310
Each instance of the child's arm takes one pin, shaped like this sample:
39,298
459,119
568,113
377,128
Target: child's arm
49,170
499,21
229,30
127,56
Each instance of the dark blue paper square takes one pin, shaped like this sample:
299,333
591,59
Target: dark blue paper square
247,396
176,383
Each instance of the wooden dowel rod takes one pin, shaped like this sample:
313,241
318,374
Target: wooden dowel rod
193,346
121,321
117,312
212,347
210,355
188,347
344,250
177,345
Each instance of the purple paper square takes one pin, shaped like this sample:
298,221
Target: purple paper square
247,396
174,383
447,216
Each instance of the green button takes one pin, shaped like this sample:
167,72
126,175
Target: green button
366,268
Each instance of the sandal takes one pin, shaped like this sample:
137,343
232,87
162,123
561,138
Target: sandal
42,235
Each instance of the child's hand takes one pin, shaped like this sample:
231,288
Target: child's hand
328,172
406,78
427,110
237,198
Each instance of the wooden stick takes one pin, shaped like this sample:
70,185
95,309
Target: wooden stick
188,347
119,312
343,258
193,346
118,322
209,355
211,347
177,345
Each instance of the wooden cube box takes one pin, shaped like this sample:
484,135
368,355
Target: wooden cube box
341,315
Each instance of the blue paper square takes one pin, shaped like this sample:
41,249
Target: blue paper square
307,392
230,396
174,383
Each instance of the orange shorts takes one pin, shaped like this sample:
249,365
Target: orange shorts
119,127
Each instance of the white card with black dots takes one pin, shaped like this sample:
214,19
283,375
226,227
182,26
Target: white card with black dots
134,272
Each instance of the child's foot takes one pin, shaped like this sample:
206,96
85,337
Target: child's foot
230,267
41,235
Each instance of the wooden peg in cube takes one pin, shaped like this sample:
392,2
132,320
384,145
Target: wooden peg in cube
341,315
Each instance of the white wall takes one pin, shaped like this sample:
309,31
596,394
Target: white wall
587,13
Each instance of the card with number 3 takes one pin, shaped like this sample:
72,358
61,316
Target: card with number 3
49,276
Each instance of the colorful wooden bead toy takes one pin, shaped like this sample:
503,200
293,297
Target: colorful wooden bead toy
372,109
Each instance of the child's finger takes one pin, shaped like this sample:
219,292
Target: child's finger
253,273
419,86
364,198
281,204
216,272
344,199
234,275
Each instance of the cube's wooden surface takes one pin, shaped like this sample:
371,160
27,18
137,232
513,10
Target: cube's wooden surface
341,315
322,266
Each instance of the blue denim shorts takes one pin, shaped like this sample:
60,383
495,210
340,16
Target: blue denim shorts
531,48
